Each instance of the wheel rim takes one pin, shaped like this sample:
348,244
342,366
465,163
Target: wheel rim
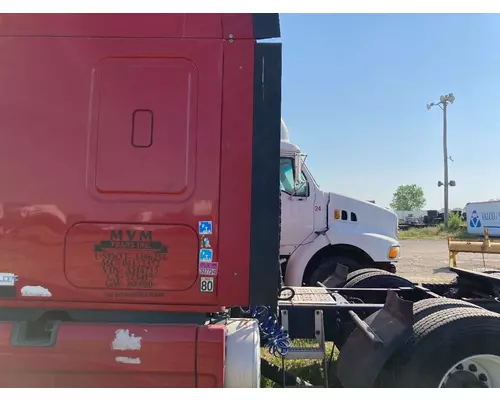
479,371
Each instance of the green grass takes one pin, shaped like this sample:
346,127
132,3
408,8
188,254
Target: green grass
308,370
456,228
429,232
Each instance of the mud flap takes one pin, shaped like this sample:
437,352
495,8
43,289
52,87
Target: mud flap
366,350
338,278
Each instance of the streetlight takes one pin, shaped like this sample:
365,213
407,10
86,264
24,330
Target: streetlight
442,104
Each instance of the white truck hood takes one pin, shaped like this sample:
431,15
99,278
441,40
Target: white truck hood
362,216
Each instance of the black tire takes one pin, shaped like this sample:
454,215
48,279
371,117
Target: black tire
327,267
361,271
440,341
426,307
374,280
378,279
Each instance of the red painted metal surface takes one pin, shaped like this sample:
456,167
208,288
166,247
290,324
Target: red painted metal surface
126,269
97,212
236,190
128,25
117,355
210,356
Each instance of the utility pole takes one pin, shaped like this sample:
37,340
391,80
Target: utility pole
443,103
445,153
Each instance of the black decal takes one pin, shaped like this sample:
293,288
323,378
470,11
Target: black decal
116,235
123,269
146,236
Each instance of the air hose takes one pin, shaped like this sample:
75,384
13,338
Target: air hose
276,340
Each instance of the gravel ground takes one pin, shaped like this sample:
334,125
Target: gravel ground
427,261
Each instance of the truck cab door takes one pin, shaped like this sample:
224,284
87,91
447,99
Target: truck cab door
297,215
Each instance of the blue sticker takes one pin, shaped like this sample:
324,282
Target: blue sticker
205,227
206,255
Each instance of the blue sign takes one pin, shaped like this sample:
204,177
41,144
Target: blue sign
205,227
206,255
474,222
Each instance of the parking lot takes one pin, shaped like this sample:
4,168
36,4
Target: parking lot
427,261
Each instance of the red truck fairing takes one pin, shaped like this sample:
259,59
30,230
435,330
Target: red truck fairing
127,160
114,355
134,153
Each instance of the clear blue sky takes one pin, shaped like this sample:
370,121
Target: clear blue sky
355,89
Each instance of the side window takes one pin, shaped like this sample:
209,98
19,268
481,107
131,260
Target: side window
287,181
286,175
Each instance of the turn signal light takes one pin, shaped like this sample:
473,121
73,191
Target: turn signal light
394,252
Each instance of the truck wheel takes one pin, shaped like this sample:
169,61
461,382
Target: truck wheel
455,347
327,267
359,272
378,279
423,308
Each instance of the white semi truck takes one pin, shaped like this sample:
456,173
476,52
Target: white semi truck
322,229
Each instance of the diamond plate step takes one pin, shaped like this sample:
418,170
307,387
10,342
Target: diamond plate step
305,353
308,295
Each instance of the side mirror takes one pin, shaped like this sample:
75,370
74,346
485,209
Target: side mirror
297,170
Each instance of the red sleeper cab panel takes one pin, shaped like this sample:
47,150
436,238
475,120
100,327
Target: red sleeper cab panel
127,122
145,121
117,355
